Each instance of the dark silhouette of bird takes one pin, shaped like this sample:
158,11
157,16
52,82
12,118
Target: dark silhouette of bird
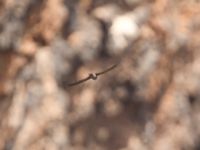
93,76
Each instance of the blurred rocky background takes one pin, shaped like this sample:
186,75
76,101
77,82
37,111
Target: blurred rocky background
151,101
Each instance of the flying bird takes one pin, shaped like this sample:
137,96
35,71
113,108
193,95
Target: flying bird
93,76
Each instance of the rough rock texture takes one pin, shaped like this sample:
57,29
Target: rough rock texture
150,101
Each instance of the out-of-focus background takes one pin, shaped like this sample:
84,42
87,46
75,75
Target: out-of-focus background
151,101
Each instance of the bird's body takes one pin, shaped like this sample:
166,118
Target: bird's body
93,76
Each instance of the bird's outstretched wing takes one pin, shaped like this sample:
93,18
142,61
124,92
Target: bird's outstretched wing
107,70
79,82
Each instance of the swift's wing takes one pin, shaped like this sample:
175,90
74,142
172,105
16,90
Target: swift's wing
79,82
107,70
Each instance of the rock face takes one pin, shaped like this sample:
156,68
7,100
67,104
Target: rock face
151,100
